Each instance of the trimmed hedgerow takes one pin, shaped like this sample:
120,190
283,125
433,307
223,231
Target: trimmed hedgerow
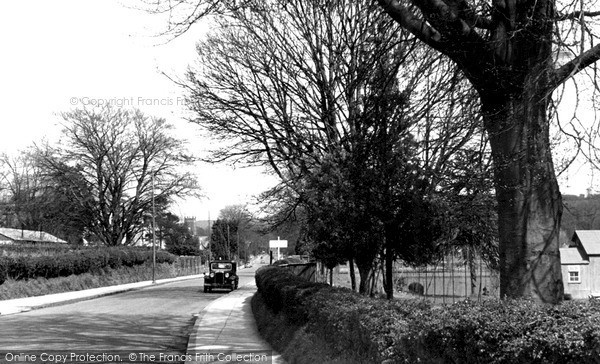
12,289
33,249
76,262
285,291
373,330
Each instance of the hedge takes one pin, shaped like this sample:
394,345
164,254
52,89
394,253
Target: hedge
2,273
374,330
76,262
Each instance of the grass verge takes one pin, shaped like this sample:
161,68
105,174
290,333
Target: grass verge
11,288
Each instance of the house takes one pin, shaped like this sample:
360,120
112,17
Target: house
12,236
580,264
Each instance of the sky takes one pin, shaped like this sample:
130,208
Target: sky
63,54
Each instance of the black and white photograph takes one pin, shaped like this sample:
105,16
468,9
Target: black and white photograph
300,181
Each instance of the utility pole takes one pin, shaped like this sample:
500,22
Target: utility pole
228,243
153,235
209,239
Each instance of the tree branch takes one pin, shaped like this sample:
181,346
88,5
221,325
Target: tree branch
576,15
453,19
472,18
447,32
410,22
574,66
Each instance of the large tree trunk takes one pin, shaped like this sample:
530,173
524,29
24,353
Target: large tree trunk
512,67
388,281
529,201
366,275
352,274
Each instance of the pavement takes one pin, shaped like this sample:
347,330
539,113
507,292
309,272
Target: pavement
224,332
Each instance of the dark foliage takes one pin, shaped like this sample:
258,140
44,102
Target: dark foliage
410,331
177,237
78,261
282,290
2,271
224,239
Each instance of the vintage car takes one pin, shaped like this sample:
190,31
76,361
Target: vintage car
221,275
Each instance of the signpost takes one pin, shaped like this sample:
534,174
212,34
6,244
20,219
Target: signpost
278,244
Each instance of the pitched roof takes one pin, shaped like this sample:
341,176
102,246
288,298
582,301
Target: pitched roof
571,256
590,240
29,235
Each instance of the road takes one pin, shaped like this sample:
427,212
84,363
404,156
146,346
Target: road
157,318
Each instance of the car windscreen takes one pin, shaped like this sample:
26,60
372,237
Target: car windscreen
220,265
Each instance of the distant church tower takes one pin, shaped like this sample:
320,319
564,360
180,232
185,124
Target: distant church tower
190,223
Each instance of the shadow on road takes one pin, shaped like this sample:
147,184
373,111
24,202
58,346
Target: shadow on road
98,332
158,318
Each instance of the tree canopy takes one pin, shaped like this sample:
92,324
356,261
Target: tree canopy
511,54
112,163
312,90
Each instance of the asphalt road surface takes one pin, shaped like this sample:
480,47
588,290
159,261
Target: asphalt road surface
153,319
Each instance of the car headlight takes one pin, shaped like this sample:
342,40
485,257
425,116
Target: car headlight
226,275
212,274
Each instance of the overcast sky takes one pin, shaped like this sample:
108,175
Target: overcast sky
57,55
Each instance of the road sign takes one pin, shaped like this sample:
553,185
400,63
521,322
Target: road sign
278,244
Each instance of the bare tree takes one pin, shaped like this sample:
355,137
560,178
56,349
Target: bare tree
124,158
512,54
289,85
292,85
508,52
239,218
35,200
24,184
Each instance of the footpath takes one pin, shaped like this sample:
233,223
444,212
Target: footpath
224,331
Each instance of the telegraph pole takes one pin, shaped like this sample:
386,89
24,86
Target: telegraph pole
209,239
153,235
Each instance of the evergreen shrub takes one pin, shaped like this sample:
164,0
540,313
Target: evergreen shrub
77,261
376,330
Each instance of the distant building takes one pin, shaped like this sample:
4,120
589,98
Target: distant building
15,236
197,227
580,262
144,238
203,242
190,223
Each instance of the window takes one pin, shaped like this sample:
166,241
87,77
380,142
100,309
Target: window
221,266
574,277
